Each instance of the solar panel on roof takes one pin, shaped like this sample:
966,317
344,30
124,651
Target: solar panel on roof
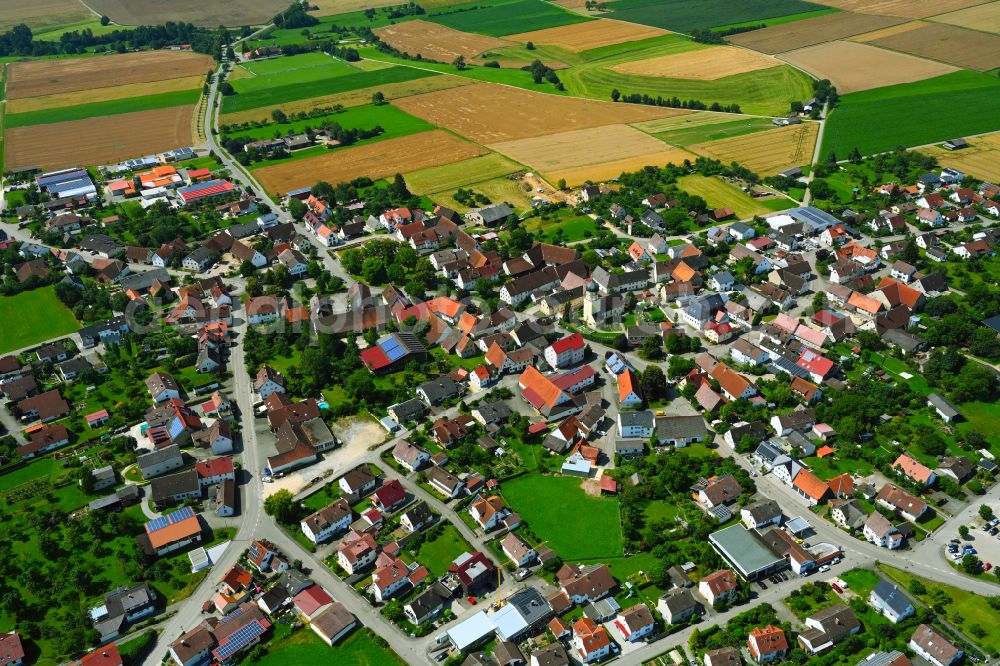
393,350
239,639
181,514
157,524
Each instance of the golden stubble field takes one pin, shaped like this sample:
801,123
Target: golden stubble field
490,113
101,140
949,43
765,153
853,66
703,64
589,35
437,42
905,8
984,17
981,159
203,13
376,160
800,34
27,104
41,13
51,77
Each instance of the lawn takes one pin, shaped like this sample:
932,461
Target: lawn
112,107
720,194
437,555
393,120
305,648
878,120
686,15
566,227
766,91
958,604
32,317
505,19
571,522
283,91
831,466
862,581
983,417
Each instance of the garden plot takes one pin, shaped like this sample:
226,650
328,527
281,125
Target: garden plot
852,66
704,64
800,34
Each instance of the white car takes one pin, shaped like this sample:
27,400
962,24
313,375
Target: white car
824,568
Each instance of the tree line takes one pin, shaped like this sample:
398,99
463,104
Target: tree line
672,102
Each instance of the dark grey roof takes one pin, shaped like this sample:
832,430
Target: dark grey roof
643,418
941,403
494,411
160,455
439,389
891,597
408,409
166,487
144,280
675,427
531,605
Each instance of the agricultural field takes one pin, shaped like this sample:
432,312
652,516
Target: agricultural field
612,169
501,189
704,64
490,113
102,109
877,120
906,8
720,194
332,7
551,506
108,94
983,17
350,98
389,118
686,15
965,48
49,77
792,36
33,316
765,153
980,159
459,174
102,140
590,35
852,66
577,148
897,29
436,42
39,14
722,128
234,13
764,91
377,160
288,86
506,18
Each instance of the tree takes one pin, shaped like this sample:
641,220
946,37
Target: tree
963,531
654,383
917,588
279,116
226,89
378,98
615,95
820,189
986,512
105,20
679,366
393,610
459,63
911,254
530,46
399,187
297,208
652,348
971,564
281,506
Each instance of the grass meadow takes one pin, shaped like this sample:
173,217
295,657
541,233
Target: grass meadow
879,120
32,317
505,19
394,121
305,648
720,194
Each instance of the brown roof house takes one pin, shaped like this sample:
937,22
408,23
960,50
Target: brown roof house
583,583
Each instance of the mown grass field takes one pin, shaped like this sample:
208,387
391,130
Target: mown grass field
395,122
552,507
101,109
33,316
766,92
498,190
506,18
687,136
720,194
686,15
283,91
305,648
881,119
437,555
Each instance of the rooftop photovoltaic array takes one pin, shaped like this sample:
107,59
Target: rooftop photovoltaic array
170,519
239,640
393,349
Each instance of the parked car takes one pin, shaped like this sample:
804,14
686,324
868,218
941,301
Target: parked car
824,568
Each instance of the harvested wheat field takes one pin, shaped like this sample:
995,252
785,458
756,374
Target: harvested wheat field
701,65
905,8
765,153
608,170
693,119
887,32
984,17
589,35
966,48
981,159
377,160
351,98
331,7
436,42
28,104
575,148
853,67
42,13
50,77
490,113
800,34
201,13
101,140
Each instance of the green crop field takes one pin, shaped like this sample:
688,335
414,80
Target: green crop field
720,194
109,108
765,92
688,136
552,505
297,69
505,19
289,92
394,121
459,174
777,20
32,317
305,648
878,120
686,15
